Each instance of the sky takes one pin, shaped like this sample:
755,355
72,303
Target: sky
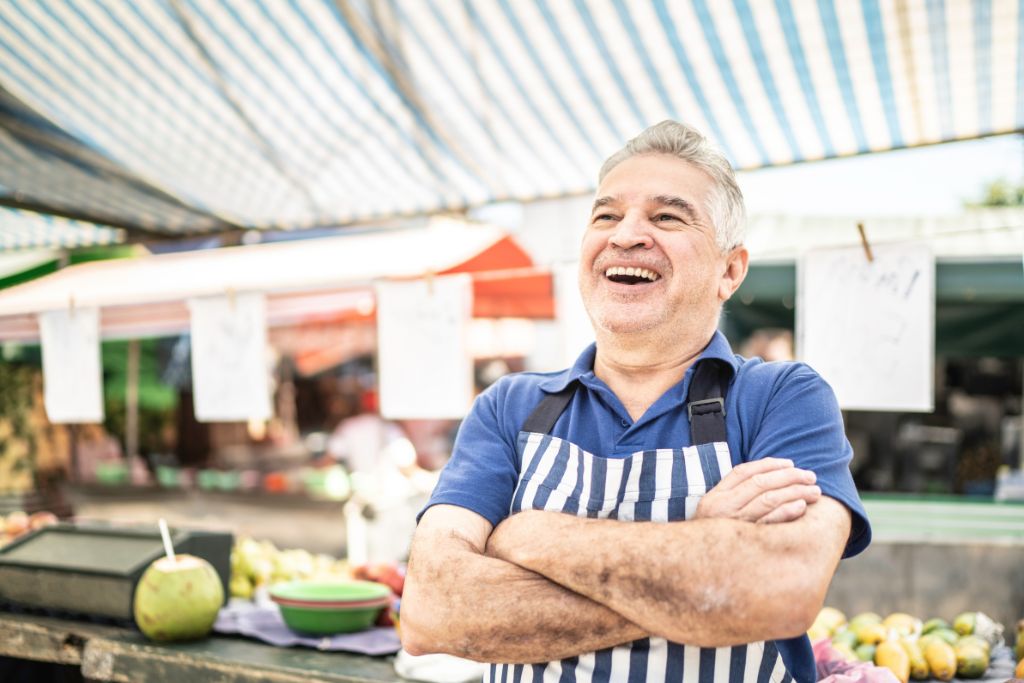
933,180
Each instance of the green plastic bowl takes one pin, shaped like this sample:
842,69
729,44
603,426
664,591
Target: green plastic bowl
333,615
330,591
327,620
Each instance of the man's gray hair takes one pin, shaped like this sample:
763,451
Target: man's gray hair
725,205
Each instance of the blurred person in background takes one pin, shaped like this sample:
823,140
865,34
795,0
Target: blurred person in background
388,486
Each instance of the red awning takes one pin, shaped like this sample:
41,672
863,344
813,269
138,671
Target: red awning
305,281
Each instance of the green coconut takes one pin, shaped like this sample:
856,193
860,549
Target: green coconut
177,600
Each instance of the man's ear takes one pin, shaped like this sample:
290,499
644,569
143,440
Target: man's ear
736,264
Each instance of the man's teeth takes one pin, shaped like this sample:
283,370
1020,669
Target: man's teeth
634,272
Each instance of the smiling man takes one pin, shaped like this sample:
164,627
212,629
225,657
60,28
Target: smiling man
664,510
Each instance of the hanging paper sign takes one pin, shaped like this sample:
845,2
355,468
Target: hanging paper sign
869,326
72,375
425,364
230,379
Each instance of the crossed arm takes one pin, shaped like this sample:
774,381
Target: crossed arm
544,586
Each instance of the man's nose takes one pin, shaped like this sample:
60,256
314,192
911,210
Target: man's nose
633,230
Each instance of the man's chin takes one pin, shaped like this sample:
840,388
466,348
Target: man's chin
625,324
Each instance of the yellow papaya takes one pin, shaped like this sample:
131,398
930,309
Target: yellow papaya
902,624
971,661
831,619
872,634
941,659
918,664
893,657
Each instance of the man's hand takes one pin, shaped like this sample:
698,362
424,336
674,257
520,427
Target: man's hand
769,490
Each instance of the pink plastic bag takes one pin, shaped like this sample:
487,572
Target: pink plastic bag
834,668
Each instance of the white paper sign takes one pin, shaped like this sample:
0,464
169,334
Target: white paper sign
230,379
869,327
424,362
576,331
72,374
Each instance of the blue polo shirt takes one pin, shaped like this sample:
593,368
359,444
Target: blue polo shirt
780,409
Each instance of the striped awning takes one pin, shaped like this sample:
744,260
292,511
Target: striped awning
176,117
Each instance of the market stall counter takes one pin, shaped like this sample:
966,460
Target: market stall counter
111,653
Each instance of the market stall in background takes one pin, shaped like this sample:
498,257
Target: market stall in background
247,294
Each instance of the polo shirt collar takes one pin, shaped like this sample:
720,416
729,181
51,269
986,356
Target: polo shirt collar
718,348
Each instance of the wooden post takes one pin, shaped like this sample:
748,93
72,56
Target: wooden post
131,402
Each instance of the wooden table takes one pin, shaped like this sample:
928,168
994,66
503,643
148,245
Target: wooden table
110,653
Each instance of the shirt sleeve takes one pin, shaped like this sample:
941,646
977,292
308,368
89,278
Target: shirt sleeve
802,421
481,475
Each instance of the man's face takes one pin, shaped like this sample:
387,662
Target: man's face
649,260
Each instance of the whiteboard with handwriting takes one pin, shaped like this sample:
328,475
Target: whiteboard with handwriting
72,374
424,363
869,327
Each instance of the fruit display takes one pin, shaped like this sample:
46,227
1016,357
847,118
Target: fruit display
1018,650
177,599
260,563
19,522
912,649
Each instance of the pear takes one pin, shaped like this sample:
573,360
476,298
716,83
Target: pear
177,599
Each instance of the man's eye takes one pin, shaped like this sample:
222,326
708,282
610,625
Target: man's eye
662,217
604,217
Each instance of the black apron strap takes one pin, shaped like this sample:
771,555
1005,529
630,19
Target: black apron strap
706,401
543,418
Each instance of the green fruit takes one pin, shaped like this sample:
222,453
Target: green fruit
847,637
975,641
177,600
1019,649
866,652
971,661
946,634
933,624
964,623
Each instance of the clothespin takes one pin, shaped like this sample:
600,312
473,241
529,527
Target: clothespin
230,293
864,242
71,305
430,282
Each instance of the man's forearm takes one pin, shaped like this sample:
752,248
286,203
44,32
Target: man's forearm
487,609
709,582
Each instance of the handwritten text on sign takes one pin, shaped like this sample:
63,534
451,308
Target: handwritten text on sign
868,326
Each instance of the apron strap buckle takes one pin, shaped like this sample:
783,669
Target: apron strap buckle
706,407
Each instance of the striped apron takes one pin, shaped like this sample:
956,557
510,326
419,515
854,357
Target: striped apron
661,485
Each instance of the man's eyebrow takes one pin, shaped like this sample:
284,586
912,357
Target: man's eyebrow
602,201
678,203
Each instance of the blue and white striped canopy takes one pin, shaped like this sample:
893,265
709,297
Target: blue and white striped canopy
179,117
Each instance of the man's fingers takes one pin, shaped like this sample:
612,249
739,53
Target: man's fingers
774,499
758,484
794,509
746,470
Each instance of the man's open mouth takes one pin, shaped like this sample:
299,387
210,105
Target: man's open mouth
630,276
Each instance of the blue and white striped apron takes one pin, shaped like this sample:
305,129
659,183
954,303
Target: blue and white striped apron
662,485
